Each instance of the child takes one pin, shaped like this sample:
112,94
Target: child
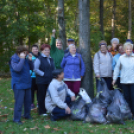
57,100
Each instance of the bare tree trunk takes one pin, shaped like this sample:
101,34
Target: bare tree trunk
61,23
129,20
113,18
84,42
101,18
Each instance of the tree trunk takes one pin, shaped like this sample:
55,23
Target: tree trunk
61,23
84,42
101,18
129,20
113,18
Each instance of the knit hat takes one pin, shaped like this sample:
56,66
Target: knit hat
70,40
57,72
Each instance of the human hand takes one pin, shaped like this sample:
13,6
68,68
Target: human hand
30,56
22,55
113,82
68,110
73,98
54,31
98,76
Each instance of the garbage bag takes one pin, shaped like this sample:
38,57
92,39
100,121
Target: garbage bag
78,109
123,105
114,114
99,85
84,95
105,95
96,114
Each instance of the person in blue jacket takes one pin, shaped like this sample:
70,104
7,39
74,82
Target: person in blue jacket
115,60
35,54
74,69
21,82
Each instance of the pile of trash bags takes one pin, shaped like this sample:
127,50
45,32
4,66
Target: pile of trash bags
109,106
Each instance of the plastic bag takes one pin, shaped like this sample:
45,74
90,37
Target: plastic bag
123,105
96,114
84,95
99,85
114,114
78,109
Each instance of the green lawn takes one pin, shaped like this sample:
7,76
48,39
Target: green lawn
43,125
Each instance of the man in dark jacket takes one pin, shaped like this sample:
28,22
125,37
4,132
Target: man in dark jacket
21,82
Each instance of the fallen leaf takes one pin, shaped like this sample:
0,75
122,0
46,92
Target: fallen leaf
56,129
47,126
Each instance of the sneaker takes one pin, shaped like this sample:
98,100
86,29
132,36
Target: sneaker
32,106
18,122
44,114
52,117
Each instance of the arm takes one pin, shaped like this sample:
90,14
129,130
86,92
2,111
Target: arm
69,92
96,65
63,62
36,68
53,41
117,70
17,66
82,67
55,97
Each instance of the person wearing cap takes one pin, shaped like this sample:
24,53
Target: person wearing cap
58,97
69,41
114,43
56,51
21,82
125,65
103,64
74,69
120,49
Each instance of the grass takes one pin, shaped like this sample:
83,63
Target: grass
43,125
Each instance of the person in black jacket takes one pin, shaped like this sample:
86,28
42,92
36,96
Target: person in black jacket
43,67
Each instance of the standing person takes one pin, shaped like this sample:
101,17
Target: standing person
69,41
125,64
35,54
43,67
56,52
21,82
115,60
103,64
58,97
114,43
74,69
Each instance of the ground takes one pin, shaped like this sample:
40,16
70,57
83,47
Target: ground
43,125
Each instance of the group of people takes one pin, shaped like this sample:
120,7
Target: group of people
57,75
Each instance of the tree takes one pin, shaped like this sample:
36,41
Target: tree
84,43
61,23
101,18
129,20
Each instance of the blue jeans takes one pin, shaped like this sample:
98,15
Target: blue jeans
22,96
60,113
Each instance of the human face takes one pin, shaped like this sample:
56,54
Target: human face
103,48
129,50
59,45
61,76
72,50
70,42
114,44
35,50
121,50
46,51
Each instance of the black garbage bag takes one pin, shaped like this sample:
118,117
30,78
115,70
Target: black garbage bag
114,114
78,109
105,95
123,105
96,114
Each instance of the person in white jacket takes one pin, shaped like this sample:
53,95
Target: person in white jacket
103,64
125,65
58,97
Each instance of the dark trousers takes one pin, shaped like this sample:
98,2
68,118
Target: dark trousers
42,88
22,96
59,113
108,81
118,83
33,89
128,91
